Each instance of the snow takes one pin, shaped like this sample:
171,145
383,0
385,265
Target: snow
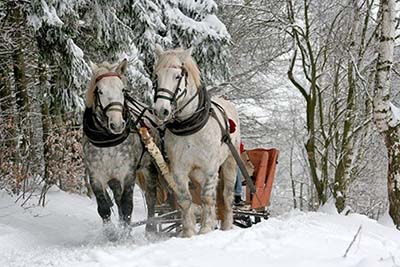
216,24
250,108
210,26
329,207
208,6
35,21
67,232
50,15
386,220
76,50
395,118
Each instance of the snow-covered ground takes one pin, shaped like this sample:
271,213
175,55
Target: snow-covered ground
67,232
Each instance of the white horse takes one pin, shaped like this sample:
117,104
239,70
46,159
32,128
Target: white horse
193,138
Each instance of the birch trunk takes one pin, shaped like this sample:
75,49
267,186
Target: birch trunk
384,111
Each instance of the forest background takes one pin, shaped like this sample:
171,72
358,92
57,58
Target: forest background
304,75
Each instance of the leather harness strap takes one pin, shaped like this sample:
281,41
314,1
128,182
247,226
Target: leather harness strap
197,120
108,74
226,138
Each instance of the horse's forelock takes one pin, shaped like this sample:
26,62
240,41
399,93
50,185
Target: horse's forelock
102,68
170,59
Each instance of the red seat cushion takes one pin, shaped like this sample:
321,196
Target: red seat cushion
232,126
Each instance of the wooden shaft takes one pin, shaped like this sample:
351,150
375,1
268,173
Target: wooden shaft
158,157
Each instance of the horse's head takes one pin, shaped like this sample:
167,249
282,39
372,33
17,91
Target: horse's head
177,78
106,95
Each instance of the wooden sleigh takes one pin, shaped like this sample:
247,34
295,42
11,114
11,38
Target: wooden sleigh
264,162
167,217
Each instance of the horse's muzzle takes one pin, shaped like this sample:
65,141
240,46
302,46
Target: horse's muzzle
162,114
117,128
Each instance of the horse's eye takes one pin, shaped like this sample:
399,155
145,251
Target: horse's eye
99,91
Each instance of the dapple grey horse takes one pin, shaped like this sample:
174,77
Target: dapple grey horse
114,154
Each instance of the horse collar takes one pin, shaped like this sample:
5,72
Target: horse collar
197,120
98,135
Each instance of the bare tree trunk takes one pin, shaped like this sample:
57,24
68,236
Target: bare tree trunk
7,107
343,169
385,117
291,176
27,94
303,42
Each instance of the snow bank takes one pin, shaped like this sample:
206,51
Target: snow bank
66,233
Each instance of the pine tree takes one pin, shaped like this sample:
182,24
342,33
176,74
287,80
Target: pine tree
49,78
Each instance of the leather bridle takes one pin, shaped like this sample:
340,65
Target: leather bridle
113,105
172,96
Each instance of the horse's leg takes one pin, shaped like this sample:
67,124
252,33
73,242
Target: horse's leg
208,197
102,198
115,186
229,169
151,175
127,199
185,204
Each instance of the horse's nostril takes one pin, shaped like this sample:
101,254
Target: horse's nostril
166,112
113,126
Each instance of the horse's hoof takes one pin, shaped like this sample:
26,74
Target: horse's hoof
124,224
226,226
110,232
188,233
204,230
151,228
151,236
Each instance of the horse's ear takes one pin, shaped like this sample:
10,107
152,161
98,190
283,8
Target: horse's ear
93,66
185,54
122,67
159,50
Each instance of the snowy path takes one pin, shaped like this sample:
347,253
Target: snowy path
67,233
